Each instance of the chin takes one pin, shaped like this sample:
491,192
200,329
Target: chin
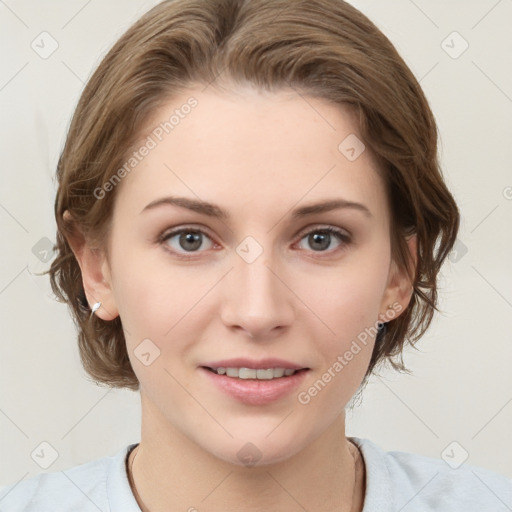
255,447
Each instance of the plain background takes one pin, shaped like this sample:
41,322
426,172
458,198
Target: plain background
461,387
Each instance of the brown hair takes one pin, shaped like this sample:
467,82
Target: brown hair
323,48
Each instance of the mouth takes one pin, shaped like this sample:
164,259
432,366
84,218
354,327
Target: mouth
255,381
255,373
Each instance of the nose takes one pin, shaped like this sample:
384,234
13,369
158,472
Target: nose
256,299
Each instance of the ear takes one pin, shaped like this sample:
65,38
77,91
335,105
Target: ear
96,276
399,289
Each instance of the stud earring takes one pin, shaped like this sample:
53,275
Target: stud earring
383,325
95,308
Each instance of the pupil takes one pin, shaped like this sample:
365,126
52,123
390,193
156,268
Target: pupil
321,238
193,238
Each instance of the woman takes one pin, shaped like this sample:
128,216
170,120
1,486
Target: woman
253,131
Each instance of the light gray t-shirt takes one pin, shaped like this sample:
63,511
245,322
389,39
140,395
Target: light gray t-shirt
395,482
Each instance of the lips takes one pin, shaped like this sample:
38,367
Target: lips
261,364
255,381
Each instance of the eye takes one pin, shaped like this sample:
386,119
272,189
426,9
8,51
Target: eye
190,240
320,238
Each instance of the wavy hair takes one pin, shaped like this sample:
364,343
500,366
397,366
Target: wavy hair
322,48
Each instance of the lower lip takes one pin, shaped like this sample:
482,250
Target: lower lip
255,391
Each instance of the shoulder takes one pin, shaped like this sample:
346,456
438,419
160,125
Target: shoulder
416,482
87,487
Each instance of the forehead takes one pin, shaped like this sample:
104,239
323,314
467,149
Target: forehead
250,147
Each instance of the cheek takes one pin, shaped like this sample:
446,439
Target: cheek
162,308
154,307
348,299
348,305
151,291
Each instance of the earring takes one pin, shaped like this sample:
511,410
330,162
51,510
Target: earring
381,333
383,325
95,308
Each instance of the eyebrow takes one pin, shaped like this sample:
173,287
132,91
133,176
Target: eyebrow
212,210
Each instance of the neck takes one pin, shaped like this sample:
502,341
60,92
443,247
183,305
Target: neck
167,469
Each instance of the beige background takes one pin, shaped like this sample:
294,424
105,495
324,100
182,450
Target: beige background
461,387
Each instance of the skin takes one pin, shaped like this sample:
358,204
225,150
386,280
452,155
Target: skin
258,156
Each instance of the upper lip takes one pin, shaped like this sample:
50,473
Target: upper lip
242,362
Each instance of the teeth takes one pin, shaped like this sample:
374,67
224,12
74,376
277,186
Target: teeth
253,373
232,372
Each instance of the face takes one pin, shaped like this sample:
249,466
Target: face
271,279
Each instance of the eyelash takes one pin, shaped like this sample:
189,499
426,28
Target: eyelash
340,235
